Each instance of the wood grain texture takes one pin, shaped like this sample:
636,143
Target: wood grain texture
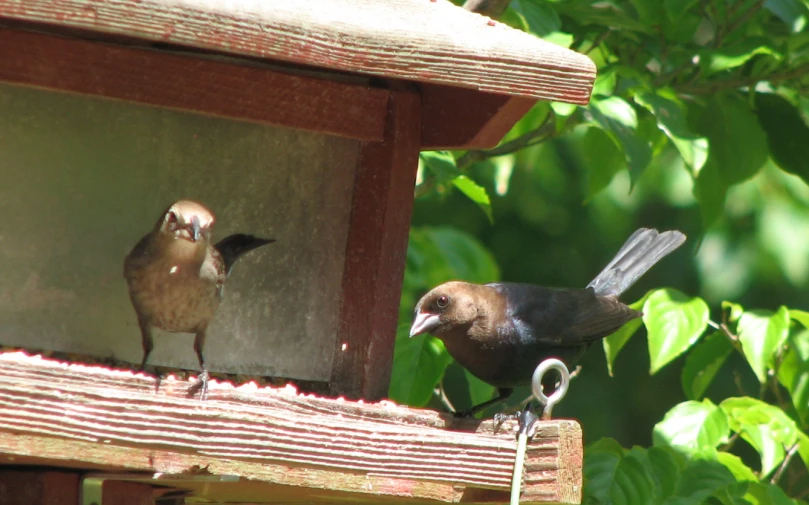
38,487
92,417
375,254
193,84
418,40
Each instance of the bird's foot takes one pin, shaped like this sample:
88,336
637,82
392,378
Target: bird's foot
526,419
201,385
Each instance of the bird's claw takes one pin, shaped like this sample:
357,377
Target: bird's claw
200,385
526,419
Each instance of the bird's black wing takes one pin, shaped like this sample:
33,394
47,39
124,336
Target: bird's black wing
562,317
234,246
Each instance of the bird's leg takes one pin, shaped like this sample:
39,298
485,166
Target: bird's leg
202,380
148,345
525,419
146,340
502,395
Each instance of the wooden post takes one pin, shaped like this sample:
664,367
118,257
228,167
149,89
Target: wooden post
375,257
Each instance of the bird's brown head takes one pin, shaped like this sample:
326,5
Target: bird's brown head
449,306
187,220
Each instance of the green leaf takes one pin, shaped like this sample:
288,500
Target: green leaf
441,164
667,465
674,323
602,157
620,121
618,480
803,447
692,426
615,342
542,18
793,13
736,466
702,364
801,316
671,119
475,193
702,478
606,444
765,427
786,133
676,8
419,365
710,191
602,14
761,333
793,373
738,146
479,391
732,311
735,55
759,493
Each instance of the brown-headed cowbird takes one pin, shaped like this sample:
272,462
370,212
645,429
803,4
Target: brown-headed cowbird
500,332
176,276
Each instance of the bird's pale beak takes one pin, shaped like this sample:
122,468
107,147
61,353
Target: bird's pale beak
195,228
423,323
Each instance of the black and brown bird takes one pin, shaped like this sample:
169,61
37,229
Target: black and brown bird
500,332
176,276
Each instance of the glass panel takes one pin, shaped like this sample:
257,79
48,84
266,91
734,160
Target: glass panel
82,179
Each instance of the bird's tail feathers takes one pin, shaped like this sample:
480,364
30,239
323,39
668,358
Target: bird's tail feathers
638,254
234,246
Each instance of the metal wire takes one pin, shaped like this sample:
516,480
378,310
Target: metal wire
527,419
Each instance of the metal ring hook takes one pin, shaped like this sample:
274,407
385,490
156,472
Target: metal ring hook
549,402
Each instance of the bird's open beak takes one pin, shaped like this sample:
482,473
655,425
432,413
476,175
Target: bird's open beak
195,228
423,323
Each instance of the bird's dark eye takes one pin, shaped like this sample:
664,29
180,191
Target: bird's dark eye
442,301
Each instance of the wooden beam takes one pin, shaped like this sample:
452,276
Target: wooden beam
456,118
95,418
193,83
415,40
38,487
376,251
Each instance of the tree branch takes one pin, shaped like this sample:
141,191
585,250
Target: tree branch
546,130
714,86
784,464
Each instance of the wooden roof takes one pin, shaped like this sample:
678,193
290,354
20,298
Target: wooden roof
427,41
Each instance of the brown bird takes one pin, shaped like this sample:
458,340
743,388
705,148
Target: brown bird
176,276
500,332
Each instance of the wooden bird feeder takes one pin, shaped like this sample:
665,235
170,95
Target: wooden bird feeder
296,120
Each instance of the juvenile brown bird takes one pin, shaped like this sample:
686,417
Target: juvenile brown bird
176,276
500,332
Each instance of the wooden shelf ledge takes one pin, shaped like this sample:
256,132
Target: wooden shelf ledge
265,444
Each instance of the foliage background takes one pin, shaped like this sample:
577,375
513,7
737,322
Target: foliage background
698,122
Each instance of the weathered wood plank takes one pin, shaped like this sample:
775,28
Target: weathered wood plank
93,417
418,40
193,84
375,255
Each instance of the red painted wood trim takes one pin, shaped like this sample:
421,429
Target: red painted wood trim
115,492
456,118
375,257
38,487
193,84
